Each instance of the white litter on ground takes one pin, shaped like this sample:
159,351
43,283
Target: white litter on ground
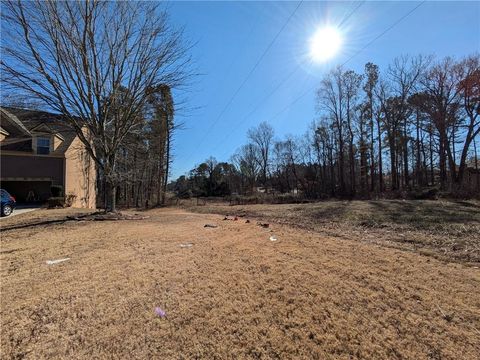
52,262
273,238
186,245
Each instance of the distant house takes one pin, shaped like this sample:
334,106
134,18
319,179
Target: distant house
39,150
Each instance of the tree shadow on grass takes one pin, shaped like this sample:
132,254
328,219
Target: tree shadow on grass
96,216
334,210
427,213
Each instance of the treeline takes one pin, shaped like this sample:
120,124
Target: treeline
144,158
412,127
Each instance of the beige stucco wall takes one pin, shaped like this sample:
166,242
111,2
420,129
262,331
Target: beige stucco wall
3,134
80,175
56,142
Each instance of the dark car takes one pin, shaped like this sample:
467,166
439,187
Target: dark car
8,202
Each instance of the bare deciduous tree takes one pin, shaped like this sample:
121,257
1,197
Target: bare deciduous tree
94,62
246,161
331,98
351,86
371,75
469,93
262,138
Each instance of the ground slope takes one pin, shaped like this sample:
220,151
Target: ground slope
232,294
448,230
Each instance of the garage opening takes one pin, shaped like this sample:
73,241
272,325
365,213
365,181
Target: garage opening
29,191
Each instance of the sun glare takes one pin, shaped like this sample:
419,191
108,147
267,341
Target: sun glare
325,44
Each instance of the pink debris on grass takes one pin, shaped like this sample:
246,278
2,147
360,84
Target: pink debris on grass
160,312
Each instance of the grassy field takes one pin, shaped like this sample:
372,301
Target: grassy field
449,230
229,292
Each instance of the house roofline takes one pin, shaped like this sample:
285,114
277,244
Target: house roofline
16,121
53,132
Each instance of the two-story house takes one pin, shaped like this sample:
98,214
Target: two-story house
39,149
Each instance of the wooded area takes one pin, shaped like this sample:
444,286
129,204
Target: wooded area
145,156
412,128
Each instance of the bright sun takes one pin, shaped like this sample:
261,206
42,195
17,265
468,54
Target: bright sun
325,44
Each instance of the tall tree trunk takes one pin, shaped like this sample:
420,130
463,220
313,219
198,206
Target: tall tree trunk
477,174
405,156
111,191
380,165
363,163
167,167
393,165
352,158
372,152
432,173
332,172
353,188
159,180
424,163
418,156
111,197
469,137
451,158
442,163
341,163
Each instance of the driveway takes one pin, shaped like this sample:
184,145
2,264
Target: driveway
21,210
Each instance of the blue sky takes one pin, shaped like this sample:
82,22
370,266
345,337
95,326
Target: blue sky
230,37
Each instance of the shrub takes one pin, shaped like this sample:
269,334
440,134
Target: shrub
54,202
69,199
260,198
424,194
187,194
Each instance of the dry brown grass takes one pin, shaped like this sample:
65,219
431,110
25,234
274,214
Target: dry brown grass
233,294
449,230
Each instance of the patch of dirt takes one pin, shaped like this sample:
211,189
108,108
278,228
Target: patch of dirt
233,294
